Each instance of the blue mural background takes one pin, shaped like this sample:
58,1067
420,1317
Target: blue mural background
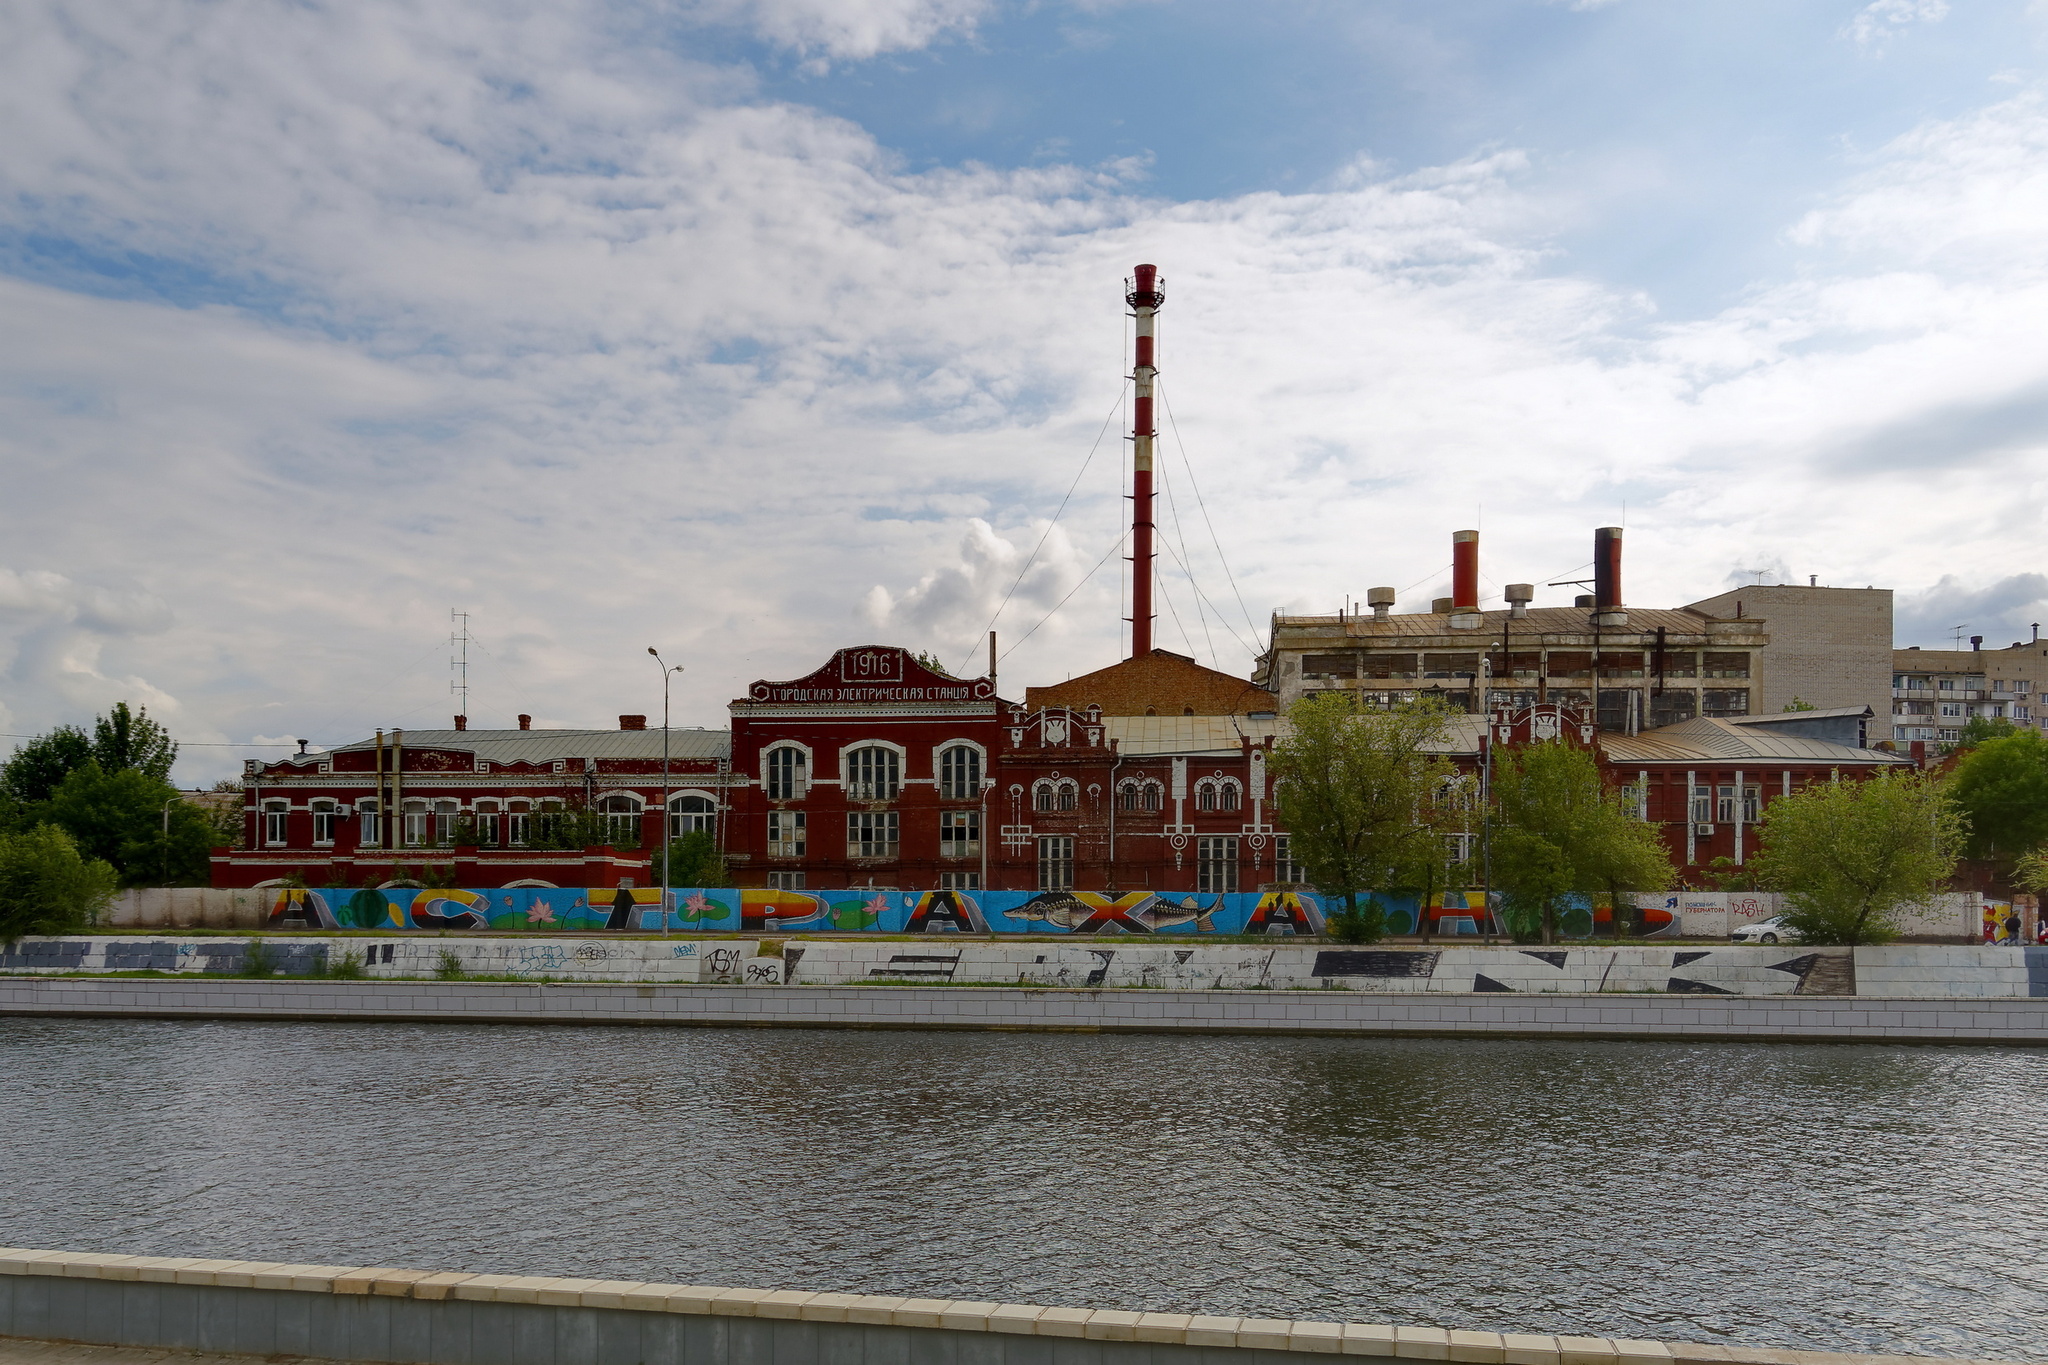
749,910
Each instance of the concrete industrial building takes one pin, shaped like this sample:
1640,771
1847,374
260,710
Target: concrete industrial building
1936,692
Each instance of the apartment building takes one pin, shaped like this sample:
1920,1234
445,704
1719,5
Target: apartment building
1936,692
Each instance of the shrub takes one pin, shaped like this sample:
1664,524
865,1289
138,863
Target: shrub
258,960
448,967
46,887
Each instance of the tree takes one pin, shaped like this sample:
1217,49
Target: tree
46,887
130,739
1355,789
38,767
694,860
119,817
2001,787
1847,853
1558,834
122,738
1978,729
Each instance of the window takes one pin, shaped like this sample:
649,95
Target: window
1458,847
419,824
959,773
1703,805
367,832
275,814
488,823
1952,708
1951,735
960,834
1329,665
1681,663
1450,665
786,881
1729,701
621,819
1137,794
871,833
1216,794
873,774
1947,685
1055,794
1390,666
516,822
786,774
1056,862
1752,798
690,815
1216,864
323,822
2022,713
785,834
959,881
1285,869
1725,665
1673,708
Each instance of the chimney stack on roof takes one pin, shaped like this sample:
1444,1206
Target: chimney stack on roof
1144,297
1381,600
1464,571
462,722
1519,596
632,722
1440,606
526,722
1607,577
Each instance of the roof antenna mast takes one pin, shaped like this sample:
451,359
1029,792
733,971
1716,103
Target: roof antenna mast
458,660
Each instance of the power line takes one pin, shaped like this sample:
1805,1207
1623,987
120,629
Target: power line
968,662
1173,509
1063,601
1200,502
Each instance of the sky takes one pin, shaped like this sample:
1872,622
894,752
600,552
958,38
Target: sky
752,329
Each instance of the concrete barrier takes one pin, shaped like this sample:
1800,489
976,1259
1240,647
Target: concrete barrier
1335,1013
419,1317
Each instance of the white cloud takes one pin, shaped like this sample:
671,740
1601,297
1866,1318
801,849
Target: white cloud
849,29
1882,20
502,308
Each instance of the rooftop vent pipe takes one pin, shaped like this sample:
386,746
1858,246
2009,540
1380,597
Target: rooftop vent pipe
1440,605
1381,600
1519,596
1464,571
1976,643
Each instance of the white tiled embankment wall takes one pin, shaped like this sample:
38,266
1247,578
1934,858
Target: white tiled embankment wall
1830,1018
418,1317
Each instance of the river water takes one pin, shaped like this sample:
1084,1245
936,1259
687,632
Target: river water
1831,1197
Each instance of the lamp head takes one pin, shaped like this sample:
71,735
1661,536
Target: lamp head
651,650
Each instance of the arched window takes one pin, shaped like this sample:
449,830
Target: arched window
518,819
621,818
418,824
275,814
785,772
688,814
1136,794
1216,793
489,827
873,773
446,813
1055,794
959,773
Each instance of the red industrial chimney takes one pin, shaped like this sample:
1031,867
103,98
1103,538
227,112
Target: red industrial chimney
1464,571
1607,569
1145,297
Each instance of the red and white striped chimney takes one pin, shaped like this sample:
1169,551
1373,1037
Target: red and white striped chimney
1145,298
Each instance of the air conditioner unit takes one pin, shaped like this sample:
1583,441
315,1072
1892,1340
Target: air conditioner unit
1703,831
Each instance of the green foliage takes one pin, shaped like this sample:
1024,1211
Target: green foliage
1559,834
1797,704
1364,923
437,876
2001,788
576,826
257,959
1725,874
694,860
40,766
47,886
125,739
118,815
1978,729
2030,872
344,965
1359,792
932,662
448,966
1846,853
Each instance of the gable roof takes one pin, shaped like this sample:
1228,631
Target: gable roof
1713,739
1161,683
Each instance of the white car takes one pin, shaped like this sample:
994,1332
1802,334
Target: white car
1772,930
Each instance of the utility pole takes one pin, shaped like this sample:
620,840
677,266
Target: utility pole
666,840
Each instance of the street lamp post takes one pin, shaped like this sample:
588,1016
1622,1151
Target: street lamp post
167,837
666,673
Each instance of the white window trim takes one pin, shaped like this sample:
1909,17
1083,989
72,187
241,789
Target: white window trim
939,766
810,767
846,752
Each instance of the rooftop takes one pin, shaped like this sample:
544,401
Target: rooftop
546,746
1718,740
1537,621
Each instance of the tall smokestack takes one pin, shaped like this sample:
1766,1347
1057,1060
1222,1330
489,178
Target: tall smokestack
1607,569
1464,571
1144,298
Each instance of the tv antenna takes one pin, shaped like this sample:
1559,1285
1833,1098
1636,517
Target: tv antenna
1958,633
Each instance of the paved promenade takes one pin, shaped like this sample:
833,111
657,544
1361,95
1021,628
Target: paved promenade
1314,1012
